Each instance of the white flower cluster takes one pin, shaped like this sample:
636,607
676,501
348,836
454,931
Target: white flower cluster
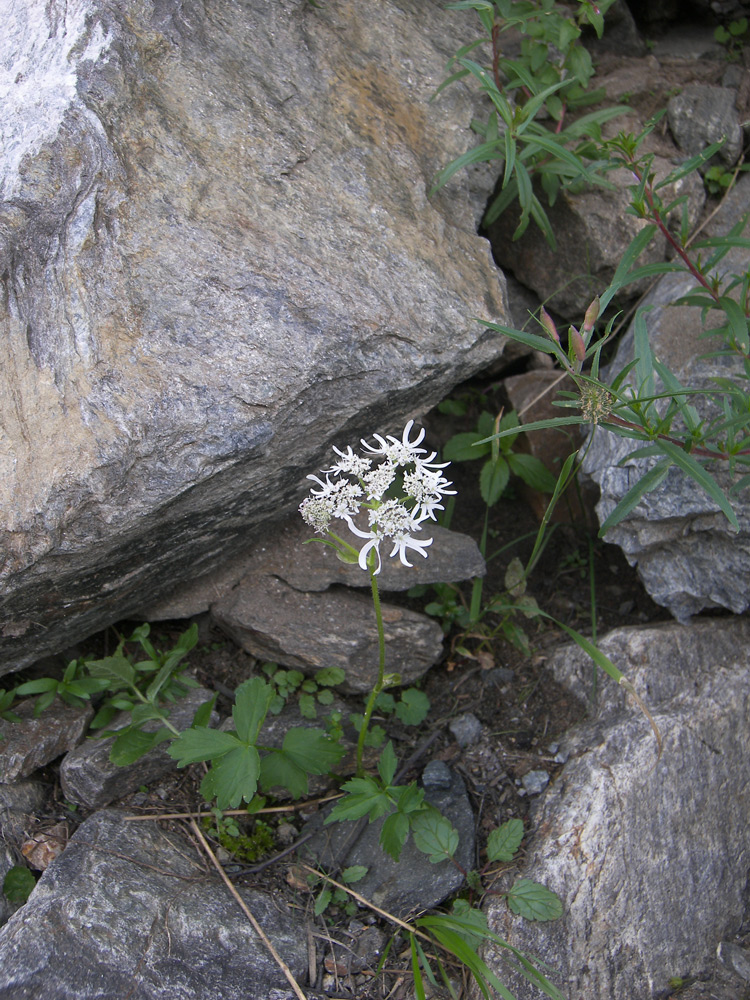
361,482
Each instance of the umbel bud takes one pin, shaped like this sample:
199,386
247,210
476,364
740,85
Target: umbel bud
549,325
592,314
576,340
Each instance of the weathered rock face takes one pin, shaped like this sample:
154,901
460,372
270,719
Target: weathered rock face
123,912
641,849
218,257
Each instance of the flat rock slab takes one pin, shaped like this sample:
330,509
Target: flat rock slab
219,258
335,628
34,742
649,857
286,552
129,910
89,778
412,883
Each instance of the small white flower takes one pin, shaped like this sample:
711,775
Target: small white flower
317,512
342,495
350,463
398,452
378,480
427,488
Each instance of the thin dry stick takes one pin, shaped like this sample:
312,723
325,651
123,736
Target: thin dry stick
256,926
366,902
293,807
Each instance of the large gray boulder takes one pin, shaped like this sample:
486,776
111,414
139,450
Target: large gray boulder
218,258
649,854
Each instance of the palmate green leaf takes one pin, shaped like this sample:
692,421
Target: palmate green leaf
387,763
393,834
276,769
434,835
233,777
312,749
194,745
503,842
413,707
330,676
363,797
533,901
132,744
252,699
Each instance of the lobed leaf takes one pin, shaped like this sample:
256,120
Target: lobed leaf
503,843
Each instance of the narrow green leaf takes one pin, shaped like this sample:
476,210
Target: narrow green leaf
41,684
322,901
703,478
202,715
354,873
132,744
416,971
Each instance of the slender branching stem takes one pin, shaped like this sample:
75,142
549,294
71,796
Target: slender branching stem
378,686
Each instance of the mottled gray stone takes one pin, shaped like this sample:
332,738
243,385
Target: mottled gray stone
218,257
34,742
412,883
700,115
89,778
534,782
283,552
129,910
466,729
437,774
336,628
649,854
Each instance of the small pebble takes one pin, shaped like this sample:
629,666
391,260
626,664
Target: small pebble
535,782
501,675
466,729
437,774
736,958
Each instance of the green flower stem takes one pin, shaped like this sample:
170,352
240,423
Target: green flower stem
162,718
379,684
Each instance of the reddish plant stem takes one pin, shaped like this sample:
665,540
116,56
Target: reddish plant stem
701,452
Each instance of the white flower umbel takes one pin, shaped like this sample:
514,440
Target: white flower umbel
397,482
399,486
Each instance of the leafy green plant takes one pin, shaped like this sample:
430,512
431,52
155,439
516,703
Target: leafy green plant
74,687
246,846
733,38
645,401
18,884
311,691
334,897
239,763
550,79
